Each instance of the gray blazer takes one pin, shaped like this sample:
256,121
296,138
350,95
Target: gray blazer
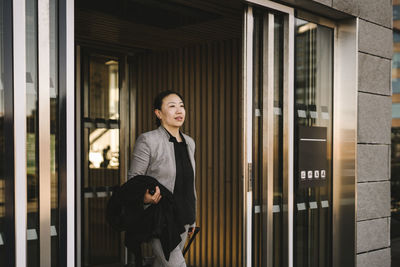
154,155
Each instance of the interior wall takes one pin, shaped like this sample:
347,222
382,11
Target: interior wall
208,76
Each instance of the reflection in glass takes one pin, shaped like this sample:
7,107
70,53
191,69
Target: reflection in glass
54,135
257,236
313,108
260,93
101,244
104,104
32,135
104,148
2,144
278,144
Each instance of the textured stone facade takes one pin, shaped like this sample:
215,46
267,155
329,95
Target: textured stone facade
374,123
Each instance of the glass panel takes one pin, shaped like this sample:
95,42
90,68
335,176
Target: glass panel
396,110
396,36
54,131
2,143
396,12
103,88
396,60
257,137
396,85
278,144
101,244
313,144
259,148
32,135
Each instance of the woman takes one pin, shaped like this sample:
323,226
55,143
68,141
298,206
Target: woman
167,154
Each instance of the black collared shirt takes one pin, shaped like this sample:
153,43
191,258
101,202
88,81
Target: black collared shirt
184,188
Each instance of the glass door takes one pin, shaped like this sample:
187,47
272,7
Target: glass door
292,136
271,91
100,124
268,195
313,144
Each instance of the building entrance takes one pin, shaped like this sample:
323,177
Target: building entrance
276,102
128,53
257,82
289,101
313,144
270,134
101,167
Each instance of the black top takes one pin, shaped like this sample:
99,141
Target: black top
184,182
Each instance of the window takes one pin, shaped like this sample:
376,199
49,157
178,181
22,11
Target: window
396,12
396,110
396,61
32,135
313,120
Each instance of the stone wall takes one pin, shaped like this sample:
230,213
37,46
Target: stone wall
375,42
374,126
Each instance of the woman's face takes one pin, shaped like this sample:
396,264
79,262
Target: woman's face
172,113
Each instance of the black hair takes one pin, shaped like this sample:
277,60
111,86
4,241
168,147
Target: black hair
158,101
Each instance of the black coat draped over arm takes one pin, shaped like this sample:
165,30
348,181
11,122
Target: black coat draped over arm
126,212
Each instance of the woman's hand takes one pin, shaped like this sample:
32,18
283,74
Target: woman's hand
191,231
152,199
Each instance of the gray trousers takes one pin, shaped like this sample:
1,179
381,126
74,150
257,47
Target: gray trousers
176,258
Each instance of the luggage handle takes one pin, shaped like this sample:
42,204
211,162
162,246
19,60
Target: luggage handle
196,231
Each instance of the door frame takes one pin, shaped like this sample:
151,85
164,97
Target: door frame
124,126
344,187
288,131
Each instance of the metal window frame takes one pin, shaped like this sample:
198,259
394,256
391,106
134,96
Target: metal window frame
62,131
66,113
83,52
78,158
345,97
247,101
309,17
344,130
288,125
44,131
66,73
268,121
15,132
70,122
19,101
345,113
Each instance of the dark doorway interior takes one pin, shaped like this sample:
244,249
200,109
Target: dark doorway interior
193,47
395,197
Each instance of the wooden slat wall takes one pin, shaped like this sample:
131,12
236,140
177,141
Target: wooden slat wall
208,77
